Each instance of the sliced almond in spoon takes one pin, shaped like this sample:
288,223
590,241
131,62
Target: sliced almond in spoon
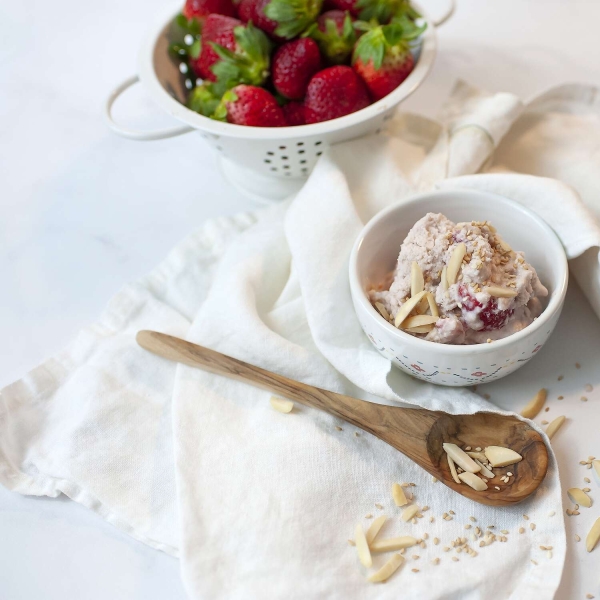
388,569
535,405
417,283
579,497
461,458
473,481
593,536
407,307
555,426
455,263
498,456
500,292
484,470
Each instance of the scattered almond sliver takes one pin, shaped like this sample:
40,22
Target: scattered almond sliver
388,569
399,495
433,308
555,426
391,544
374,529
410,512
535,405
417,282
593,536
578,496
419,320
407,308
364,554
281,405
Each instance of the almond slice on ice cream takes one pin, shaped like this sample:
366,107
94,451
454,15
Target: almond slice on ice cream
382,311
388,569
498,456
500,292
433,307
536,404
444,278
407,307
399,495
364,554
374,528
417,283
593,536
555,426
281,405
455,263
579,497
391,544
419,321
461,458
473,481
419,329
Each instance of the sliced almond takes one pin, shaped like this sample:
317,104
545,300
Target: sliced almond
407,307
555,426
374,528
421,329
578,496
455,263
535,405
418,321
399,495
477,455
500,292
409,513
444,279
593,536
484,470
433,307
281,405
364,554
392,544
461,458
417,283
382,311
388,569
498,456
473,481
452,469
504,246
595,469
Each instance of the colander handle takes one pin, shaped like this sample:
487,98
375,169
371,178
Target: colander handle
446,15
143,136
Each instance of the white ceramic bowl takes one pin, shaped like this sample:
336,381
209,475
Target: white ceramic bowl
374,256
264,163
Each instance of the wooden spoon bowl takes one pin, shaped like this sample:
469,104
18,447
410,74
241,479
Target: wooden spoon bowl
416,432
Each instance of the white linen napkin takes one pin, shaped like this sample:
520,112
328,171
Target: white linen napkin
258,504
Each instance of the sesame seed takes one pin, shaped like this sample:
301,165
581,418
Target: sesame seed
434,479
532,526
455,558
551,514
415,570
587,479
415,557
526,517
577,538
369,516
338,428
468,448
424,509
561,397
583,399
379,506
505,531
589,387
436,541
351,542
431,519
357,434
467,526
496,488
509,474
436,561
473,519
561,377
577,366
534,562
521,529
478,449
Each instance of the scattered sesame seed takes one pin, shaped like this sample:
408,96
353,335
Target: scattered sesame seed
467,526
338,428
534,562
379,506
434,479
436,561
357,434
532,526
473,519
415,570
577,366
551,514
547,409
425,509
577,538
468,448
496,488
478,449
351,542
509,474
587,479
589,387
415,557
544,422
505,531
589,596
526,517
431,519
549,554
455,558
561,377
521,529
368,516
561,397
446,549
436,541
451,512
587,489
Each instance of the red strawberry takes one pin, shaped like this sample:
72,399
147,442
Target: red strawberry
350,6
334,92
490,315
294,64
379,10
383,59
232,52
250,105
219,30
294,113
254,10
292,16
202,8
335,35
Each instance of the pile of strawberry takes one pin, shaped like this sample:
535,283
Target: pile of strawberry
275,63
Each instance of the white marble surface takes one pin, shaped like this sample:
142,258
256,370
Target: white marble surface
82,212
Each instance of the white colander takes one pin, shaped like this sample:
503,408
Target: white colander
263,163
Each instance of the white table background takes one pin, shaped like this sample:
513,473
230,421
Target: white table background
83,211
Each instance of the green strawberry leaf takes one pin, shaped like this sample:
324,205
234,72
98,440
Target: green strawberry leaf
370,47
293,16
203,99
254,42
220,113
195,49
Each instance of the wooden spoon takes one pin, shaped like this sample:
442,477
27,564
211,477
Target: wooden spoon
416,432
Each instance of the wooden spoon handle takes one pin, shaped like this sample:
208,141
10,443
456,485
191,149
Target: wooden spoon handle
360,413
